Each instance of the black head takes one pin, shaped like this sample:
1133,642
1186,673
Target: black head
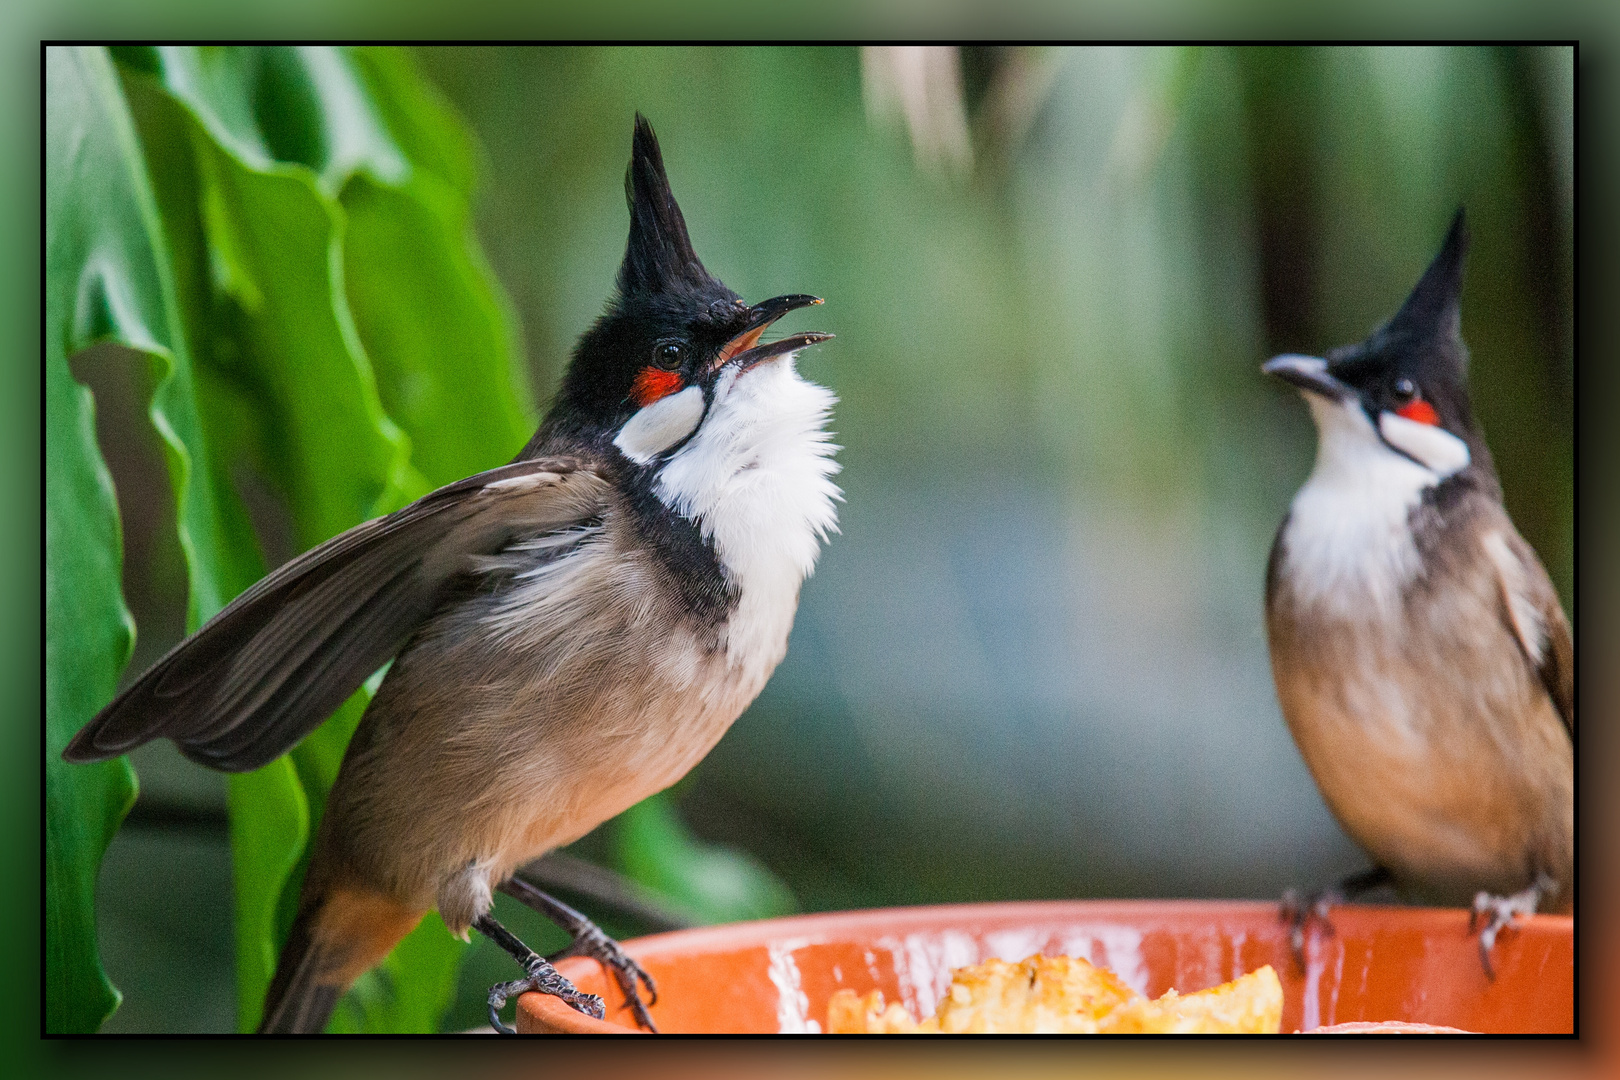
1415,365
670,325
1418,358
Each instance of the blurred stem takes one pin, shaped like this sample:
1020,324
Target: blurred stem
1280,93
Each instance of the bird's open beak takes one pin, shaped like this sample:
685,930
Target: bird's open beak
745,350
1309,373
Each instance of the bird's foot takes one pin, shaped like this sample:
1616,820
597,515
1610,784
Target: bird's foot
1299,911
540,974
630,976
589,940
547,980
1492,914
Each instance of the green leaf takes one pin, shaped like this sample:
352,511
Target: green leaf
433,138
269,813
274,811
431,321
269,827
338,458
283,336
103,281
314,248
428,309
715,884
277,344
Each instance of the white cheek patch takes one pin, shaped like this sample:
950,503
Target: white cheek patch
1438,449
661,425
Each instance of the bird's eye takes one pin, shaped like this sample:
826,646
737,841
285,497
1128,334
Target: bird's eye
669,354
1405,389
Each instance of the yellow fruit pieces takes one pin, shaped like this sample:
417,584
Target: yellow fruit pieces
1063,995
850,1014
1249,1005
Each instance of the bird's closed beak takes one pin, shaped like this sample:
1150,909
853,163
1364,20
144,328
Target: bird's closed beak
1309,373
745,350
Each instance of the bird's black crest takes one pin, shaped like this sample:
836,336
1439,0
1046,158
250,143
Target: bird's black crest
659,257
664,294
1423,339
1422,342
1432,314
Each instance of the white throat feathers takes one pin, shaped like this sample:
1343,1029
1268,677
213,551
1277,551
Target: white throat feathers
756,478
1348,545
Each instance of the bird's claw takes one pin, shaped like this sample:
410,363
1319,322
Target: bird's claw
592,942
547,980
1493,914
1300,911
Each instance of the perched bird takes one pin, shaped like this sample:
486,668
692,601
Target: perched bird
1422,658
570,632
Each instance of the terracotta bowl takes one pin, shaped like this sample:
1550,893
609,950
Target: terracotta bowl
1416,966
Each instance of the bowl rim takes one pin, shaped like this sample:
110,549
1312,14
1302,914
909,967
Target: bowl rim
547,1013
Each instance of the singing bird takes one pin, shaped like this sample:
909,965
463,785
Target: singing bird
569,633
1421,657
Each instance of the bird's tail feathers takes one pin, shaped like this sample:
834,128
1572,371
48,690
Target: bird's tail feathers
337,936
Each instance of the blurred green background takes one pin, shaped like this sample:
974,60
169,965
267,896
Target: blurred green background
1033,663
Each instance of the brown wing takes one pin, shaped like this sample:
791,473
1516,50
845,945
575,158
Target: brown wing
281,657
1532,611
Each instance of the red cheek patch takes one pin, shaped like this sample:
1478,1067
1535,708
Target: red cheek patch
1421,411
652,384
